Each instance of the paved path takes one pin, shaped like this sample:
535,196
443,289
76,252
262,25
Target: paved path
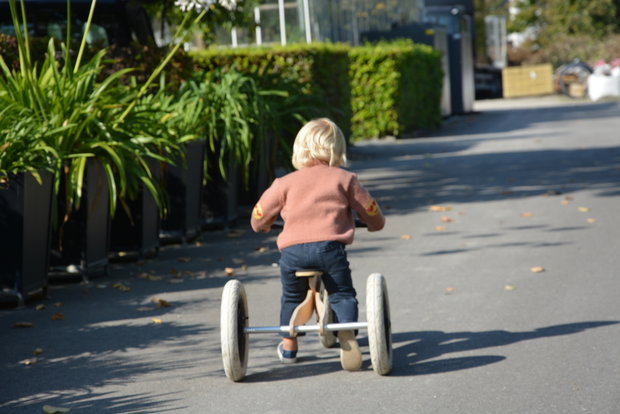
525,184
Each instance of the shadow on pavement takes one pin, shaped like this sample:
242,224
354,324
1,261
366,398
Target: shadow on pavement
412,358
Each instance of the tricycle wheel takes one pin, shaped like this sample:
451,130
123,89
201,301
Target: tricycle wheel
379,325
233,320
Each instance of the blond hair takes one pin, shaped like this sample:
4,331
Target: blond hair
319,140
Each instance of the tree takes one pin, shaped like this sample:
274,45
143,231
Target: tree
550,19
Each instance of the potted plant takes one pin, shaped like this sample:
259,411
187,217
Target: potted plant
25,202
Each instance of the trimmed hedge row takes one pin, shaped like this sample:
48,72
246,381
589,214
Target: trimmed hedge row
395,89
316,74
370,91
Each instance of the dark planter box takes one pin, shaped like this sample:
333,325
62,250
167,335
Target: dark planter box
135,227
81,244
221,199
25,210
184,189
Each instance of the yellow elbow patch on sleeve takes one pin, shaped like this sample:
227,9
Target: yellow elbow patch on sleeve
372,208
257,212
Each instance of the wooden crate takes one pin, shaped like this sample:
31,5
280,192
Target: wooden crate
527,80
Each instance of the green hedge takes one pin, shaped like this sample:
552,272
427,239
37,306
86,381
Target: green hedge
315,76
370,91
395,89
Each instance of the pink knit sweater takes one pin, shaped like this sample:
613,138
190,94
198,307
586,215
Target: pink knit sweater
315,204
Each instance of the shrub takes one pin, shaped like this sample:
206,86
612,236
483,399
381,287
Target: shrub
395,88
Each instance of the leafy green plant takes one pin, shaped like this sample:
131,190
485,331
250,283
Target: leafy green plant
395,88
80,114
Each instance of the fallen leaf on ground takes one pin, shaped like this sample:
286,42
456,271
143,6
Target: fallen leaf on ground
591,220
527,214
446,219
48,409
583,209
58,316
154,278
40,307
174,271
537,269
565,202
58,304
23,324
29,361
143,275
437,208
568,198
440,228
509,287
157,321
121,287
406,237
37,351
184,259
235,233
162,303
229,271
238,261
449,290
262,249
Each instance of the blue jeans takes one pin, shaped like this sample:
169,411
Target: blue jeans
331,258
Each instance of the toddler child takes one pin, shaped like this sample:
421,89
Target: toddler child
316,204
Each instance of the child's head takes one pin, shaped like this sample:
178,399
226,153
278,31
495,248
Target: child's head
319,140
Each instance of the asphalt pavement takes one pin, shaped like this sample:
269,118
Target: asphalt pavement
501,254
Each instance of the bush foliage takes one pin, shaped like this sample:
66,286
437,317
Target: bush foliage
396,88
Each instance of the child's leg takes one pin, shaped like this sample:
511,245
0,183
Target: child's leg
294,290
338,282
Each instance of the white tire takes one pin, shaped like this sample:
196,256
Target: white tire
233,319
379,324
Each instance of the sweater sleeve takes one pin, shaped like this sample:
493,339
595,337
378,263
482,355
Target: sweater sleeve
365,206
266,211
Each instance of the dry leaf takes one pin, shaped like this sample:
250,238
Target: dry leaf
440,228
58,316
143,275
527,214
157,321
29,361
449,290
262,249
437,208
238,261
23,325
184,259
40,307
565,202
235,233
161,303
591,220
48,409
174,271
583,209
121,287
406,237
58,304
154,278
446,219
37,351
537,269
229,271
568,198
509,287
